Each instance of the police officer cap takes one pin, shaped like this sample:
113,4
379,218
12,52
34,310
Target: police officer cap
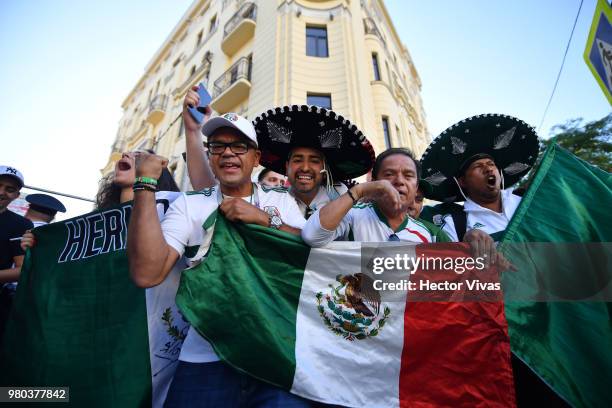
45,203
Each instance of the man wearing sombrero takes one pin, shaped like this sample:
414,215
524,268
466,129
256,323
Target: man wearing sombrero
477,160
375,211
316,148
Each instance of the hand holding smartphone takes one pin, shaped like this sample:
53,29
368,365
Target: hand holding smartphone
198,112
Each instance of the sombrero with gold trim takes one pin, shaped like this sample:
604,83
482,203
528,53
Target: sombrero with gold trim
511,143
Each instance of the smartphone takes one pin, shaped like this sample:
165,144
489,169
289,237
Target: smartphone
197,113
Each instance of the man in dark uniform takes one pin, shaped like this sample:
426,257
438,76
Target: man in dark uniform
12,227
43,208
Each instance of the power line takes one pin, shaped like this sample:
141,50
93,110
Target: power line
560,69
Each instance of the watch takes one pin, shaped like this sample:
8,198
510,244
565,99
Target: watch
275,221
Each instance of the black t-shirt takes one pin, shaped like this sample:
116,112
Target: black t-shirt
11,226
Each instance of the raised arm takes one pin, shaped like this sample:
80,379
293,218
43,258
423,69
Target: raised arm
150,257
200,174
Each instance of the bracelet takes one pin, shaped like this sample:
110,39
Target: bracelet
351,195
144,187
146,180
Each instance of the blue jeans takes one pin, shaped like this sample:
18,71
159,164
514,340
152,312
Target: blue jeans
219,385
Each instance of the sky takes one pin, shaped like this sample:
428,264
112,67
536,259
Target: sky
68,65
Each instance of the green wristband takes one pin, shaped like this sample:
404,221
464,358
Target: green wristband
146,180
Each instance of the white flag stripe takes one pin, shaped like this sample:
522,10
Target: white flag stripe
164,349
326,362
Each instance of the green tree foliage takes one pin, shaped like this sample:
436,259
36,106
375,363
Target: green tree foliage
591,142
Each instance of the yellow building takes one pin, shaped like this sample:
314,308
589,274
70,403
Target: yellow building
254,55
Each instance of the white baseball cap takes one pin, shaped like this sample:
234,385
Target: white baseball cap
13,172
232,120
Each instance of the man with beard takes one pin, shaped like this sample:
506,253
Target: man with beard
385,216
153,249
316,148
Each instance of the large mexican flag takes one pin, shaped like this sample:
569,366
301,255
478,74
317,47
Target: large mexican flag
78,320
558,302
314,322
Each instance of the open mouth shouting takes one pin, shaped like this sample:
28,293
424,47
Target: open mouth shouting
491,181
124,164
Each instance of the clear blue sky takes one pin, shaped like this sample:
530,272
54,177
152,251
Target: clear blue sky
67,66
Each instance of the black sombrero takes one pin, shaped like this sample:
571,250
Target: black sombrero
348,152
512,144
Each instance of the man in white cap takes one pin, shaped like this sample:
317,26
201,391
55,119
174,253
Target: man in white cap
154,248
12,227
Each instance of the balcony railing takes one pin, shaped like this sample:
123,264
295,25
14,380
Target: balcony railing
157,109
240,70
370,28
233,86
239,29
246,11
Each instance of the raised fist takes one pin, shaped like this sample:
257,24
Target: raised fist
150,165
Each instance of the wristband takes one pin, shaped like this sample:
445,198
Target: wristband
144,187
146,180
351,195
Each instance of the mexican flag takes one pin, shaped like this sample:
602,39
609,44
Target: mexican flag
558,302
316,323
78,320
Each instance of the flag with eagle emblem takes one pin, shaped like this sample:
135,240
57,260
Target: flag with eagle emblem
315,321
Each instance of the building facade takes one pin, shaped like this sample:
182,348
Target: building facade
255,55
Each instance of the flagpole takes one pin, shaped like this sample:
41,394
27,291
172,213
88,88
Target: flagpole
61,194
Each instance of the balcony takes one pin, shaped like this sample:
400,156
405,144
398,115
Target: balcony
157,109
239,29
370,28
233,86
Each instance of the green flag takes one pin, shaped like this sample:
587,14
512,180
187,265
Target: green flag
78,320
558,302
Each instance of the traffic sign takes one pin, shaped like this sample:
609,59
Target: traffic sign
598,52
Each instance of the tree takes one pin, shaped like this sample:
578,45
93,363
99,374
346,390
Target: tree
591,142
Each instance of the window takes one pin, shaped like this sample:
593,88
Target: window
375,65
397,133
199,38
213,24
316,41
193,70
322,100
385,125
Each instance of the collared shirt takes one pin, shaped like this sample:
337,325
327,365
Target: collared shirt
318,201
489,221
187,228
366,223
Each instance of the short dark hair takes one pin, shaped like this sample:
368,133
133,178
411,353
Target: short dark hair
390,152
262,174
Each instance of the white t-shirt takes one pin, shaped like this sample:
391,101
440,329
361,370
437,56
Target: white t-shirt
183,230
482,218
365,223
320,199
